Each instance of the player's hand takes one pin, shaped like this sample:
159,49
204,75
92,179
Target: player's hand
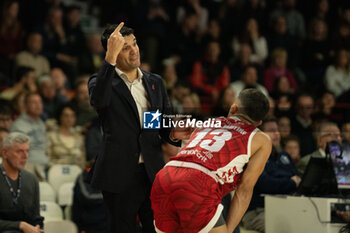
115,44
296,179
27,228
181,133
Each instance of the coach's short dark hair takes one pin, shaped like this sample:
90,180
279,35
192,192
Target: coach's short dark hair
254,104
125,31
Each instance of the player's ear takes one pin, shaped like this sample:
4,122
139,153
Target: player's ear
259,123
233,110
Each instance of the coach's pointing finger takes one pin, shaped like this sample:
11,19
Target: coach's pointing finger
114,45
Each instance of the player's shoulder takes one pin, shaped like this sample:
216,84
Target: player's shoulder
261,138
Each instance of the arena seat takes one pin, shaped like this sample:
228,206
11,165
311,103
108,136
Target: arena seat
47,193
65,194
51,211
60,174
65,226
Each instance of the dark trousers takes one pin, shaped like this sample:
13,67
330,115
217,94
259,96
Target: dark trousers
122,208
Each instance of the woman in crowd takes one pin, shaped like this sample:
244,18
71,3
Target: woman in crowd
252,36
277,69
337,77
66,144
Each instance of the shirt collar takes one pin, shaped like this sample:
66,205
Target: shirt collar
303,122
124,77
322,152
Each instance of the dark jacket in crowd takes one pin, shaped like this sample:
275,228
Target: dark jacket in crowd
275,179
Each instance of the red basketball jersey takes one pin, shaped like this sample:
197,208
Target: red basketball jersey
223,150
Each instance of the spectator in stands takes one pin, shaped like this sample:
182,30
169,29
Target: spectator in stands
3,133
291,145
322,11
302,123
252,36
325,132
249,79
272,109
278,69
178,92
316,51
281,87
6,114
11,32
90,60
280,38
65,145
59,79
76,42
31,56
88,209
229,18
214,33
254,9
210,75
25,81
200,11
284,126
183,44
192,106
278,177
18,104
30,124
345,131
337,77
155,18
55,40
84,111
242,61
169,74
341,37
51,101
295,20
19,189
284,105
325,106
226,99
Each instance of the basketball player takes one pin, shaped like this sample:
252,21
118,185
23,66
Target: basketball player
187,192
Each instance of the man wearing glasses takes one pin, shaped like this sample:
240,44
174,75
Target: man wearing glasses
326,132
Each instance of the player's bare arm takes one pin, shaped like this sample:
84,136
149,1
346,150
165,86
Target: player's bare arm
261,149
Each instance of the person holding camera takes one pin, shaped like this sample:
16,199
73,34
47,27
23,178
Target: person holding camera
325,132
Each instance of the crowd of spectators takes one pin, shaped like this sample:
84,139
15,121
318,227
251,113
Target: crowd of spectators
296,52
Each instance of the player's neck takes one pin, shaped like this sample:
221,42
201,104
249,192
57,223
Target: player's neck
244,118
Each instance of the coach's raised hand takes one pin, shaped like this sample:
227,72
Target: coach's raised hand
115,44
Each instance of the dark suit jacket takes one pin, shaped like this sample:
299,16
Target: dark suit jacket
123,138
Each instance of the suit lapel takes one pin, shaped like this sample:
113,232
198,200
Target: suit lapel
121,89
150,87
